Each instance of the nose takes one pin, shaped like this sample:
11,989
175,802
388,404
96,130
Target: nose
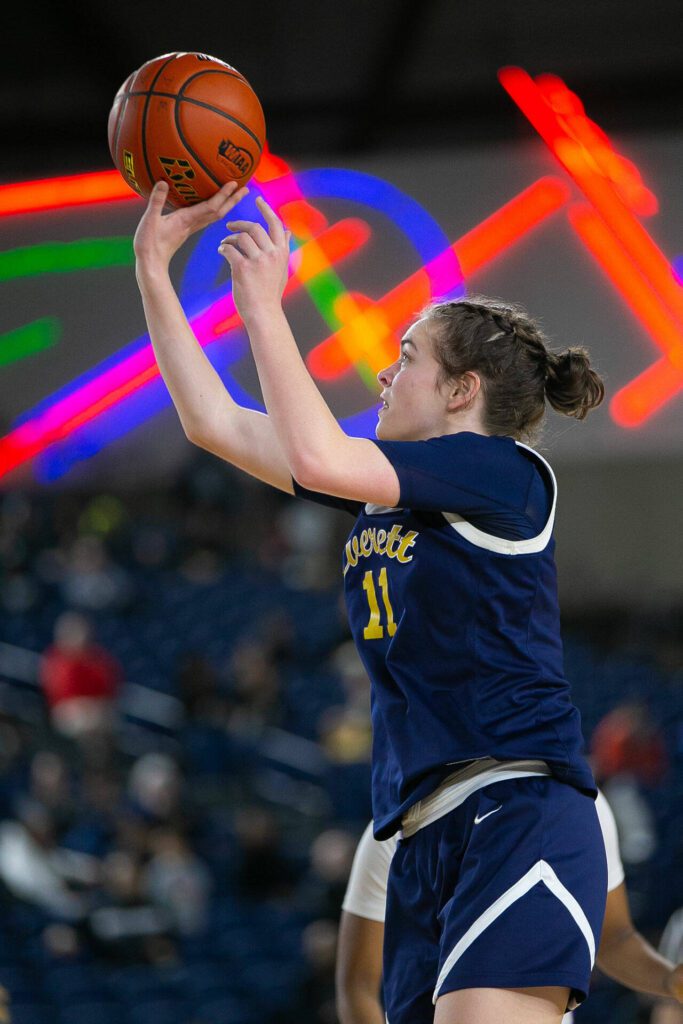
386,375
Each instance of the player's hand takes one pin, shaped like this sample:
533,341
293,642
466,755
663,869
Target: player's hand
160,235
675,983
258,261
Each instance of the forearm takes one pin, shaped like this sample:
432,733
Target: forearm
308,432
196,389
359,1006
632,961
207,412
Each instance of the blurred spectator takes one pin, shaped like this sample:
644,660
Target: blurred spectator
128,926
347,664
307,530
177,881
264,872
200,691
635,821
346,735
91,581
33,867
331,859
80,680
155,788
50,785
627,753
627,742
318,989
255,685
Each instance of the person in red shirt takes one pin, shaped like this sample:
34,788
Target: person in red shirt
80,679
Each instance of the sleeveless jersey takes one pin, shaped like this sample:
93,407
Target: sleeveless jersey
452,603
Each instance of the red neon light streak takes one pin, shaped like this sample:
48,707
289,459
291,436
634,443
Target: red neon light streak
577,159
479,246
633,404
57,193
644,395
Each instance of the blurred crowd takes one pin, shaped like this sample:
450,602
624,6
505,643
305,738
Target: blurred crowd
184,755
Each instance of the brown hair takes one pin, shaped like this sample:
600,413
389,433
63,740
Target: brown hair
506,347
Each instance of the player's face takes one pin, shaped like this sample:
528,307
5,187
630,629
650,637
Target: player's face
414,405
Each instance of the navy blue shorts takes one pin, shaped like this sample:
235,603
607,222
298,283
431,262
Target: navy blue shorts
505,891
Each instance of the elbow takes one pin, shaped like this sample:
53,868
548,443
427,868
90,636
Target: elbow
196,433
309,471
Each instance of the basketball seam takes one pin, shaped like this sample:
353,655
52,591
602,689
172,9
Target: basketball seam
119,124
200,103
218,71
188,147
144,121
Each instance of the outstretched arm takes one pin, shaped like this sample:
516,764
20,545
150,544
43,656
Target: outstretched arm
321,456
209,416
625,955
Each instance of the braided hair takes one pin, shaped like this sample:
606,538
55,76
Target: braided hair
506,347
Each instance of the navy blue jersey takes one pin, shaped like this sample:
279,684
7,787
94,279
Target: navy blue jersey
452,602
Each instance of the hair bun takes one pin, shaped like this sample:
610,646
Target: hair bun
572,387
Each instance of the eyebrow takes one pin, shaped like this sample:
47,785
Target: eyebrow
407,341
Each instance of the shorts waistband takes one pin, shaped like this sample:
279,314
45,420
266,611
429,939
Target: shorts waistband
456,788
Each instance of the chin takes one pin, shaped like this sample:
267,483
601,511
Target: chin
382,434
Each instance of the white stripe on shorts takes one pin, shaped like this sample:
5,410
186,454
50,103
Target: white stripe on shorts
540,872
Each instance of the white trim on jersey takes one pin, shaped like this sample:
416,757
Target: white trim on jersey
540,872
378,510
501,545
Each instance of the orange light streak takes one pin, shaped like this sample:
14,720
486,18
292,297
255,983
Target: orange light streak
333,245
475,249
634,288
644,395
583,166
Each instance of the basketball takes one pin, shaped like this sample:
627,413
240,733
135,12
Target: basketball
188,119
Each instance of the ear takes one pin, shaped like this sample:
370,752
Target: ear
462,391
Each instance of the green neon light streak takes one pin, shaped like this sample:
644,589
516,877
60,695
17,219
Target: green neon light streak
324,289
63,257
29,339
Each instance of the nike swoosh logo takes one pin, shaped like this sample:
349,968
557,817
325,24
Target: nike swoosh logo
478,820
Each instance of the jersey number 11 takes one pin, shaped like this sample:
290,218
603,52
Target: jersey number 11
374,629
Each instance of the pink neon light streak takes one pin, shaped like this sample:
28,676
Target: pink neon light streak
128,376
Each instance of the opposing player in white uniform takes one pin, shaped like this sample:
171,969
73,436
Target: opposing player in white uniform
623,954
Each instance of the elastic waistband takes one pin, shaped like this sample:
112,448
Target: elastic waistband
456,788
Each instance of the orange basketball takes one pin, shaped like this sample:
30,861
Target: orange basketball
191,120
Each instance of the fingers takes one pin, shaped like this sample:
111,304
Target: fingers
232,254
228,195
218,205
243,242
275,227
256,231
158,197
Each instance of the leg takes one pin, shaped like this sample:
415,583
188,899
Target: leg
494,1005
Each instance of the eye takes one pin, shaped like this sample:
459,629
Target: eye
405,358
